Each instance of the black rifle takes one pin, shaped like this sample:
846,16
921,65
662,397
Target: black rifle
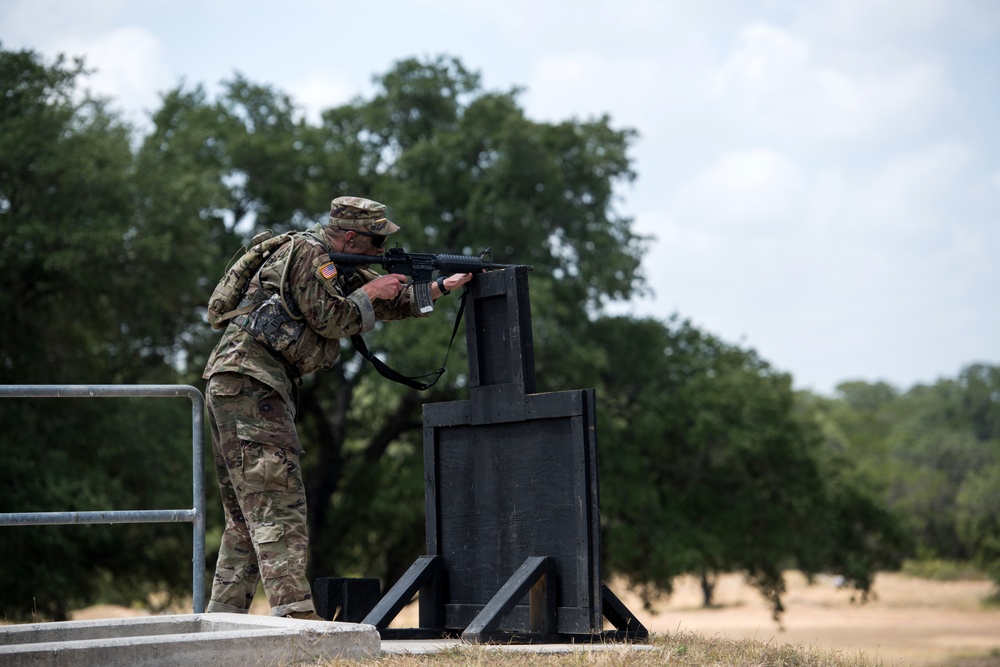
421,267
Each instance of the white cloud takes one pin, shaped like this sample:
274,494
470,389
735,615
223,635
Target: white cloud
773,82
756,191
826,270
529,22
42,24
317,91
587,84
129,66
890,24
909,204
127,62
910,196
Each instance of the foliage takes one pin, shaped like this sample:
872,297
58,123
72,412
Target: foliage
937,569
933,455
723,472
978,518
74,257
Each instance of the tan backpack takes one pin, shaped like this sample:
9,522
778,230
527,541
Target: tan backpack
223,305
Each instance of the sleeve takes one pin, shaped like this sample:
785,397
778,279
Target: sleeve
402,307
318,291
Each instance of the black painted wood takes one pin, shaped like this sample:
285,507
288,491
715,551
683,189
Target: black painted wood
499,492
345,599
620,616
419,574
498,331
535,571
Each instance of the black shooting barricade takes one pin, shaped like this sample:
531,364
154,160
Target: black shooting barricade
512,498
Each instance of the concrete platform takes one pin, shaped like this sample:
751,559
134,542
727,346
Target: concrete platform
194,639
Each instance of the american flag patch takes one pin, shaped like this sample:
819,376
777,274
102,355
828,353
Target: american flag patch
327,271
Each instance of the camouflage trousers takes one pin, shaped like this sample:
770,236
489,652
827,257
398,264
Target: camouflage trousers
256,453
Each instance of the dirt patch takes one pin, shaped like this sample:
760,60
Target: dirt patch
909,622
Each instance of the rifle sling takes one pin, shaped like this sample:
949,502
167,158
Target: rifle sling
414,381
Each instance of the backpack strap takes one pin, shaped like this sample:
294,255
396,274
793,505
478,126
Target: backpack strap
236,312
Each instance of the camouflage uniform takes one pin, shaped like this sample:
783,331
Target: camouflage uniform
250,377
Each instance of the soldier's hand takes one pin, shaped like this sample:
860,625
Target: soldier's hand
385,287
456,280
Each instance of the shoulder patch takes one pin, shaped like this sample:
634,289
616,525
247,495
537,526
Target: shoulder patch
327,271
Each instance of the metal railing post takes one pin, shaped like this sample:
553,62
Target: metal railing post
196,515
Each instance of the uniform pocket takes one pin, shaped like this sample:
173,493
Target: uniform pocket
272,554
265,471
225,384
264,432
268,534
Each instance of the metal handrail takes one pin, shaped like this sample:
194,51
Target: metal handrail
196,515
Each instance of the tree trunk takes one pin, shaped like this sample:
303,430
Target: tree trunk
708,582
324,480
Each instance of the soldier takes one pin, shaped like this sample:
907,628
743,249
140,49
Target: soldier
296,309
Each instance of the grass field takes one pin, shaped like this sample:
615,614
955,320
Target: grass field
910,622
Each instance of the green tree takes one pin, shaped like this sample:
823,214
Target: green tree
709,467
978,518
929,453
82,305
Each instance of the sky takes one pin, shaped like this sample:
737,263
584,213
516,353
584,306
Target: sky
819,179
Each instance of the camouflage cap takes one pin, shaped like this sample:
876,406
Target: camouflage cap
361,214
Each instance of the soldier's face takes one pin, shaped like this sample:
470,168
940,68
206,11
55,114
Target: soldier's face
366,244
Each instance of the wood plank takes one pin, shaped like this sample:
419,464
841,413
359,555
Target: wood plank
402,592
448,413
526,576
620,616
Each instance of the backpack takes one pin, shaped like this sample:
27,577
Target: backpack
225,299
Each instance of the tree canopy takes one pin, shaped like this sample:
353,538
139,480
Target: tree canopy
90,296
931,454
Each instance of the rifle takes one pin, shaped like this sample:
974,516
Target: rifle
421,267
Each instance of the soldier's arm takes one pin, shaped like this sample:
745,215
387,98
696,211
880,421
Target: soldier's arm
316,286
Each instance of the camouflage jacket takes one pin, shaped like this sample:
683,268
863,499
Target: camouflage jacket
331,307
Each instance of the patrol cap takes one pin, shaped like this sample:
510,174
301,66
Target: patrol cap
361,214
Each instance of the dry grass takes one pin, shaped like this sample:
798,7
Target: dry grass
682,649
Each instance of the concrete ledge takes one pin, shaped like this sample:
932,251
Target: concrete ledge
195,639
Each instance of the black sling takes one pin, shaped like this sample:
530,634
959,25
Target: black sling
414,381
